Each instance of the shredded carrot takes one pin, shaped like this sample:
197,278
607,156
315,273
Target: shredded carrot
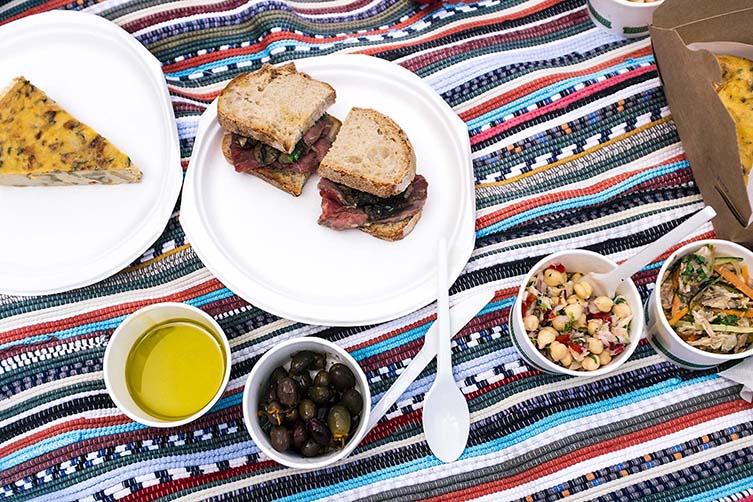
738,313
734,280
744,270
675,304
675,296
678,316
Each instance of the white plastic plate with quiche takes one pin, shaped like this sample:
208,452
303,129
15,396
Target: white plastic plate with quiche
54,239
266,246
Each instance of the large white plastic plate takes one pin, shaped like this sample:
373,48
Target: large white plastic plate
55,239
266,245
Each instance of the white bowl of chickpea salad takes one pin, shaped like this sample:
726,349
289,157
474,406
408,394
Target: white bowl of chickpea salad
560,325
700,313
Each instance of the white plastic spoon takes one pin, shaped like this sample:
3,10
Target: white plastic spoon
446,418
460,315
608,283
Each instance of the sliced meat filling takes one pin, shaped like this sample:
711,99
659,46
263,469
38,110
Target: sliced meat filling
344,207
249,154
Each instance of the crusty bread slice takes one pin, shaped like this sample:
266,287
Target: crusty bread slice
393,231
274,105
371,154
288,181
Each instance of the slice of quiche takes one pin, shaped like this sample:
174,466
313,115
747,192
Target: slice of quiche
42,145
736,93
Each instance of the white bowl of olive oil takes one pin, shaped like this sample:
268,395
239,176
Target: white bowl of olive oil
167,364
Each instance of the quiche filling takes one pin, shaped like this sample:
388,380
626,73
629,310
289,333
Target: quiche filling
41,144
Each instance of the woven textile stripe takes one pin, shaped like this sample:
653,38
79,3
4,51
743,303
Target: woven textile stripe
573,146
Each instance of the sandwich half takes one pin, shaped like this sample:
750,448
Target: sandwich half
275,124
369,178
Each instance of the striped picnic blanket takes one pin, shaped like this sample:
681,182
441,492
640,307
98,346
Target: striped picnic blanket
573,147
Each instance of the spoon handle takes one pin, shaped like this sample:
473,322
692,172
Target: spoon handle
444,353
656,248
460,315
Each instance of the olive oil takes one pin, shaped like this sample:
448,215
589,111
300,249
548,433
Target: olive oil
175,369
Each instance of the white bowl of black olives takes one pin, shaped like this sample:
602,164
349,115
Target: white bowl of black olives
306,403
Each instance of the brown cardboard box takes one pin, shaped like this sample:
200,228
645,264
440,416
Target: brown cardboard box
707,130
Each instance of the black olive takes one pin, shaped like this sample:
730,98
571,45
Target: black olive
302,361
342,378
319,431
319,394
303,380
321,412
270,394
287,391
306,409
265,424
299,435
320,361
354,421
279,437
322,378
338,421
277,373
291,415
353,401
311,448
274,412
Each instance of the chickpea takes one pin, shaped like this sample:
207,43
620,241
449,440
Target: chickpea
622,310
581,321
583,290
560,322
603,303
595,346
574,311
605,358
545,337
531,322
620,333
576,277
594,325
558,351
573,299
567,360
553,277
591,363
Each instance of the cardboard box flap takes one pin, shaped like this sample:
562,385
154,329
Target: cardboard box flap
708,132
674,15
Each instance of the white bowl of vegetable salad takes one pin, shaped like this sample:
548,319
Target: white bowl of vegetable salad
560,325
701,311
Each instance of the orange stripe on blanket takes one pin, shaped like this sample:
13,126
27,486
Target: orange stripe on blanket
542,200
540,83
443,33
562,103
107,312
72,425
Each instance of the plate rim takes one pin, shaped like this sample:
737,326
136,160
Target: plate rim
145,235
198,235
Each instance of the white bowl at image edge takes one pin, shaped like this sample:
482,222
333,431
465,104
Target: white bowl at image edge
623,18
279,355
664,338
577,260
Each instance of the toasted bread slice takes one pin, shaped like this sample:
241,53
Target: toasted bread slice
43,145
371,154
274,105
393,231
288,181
